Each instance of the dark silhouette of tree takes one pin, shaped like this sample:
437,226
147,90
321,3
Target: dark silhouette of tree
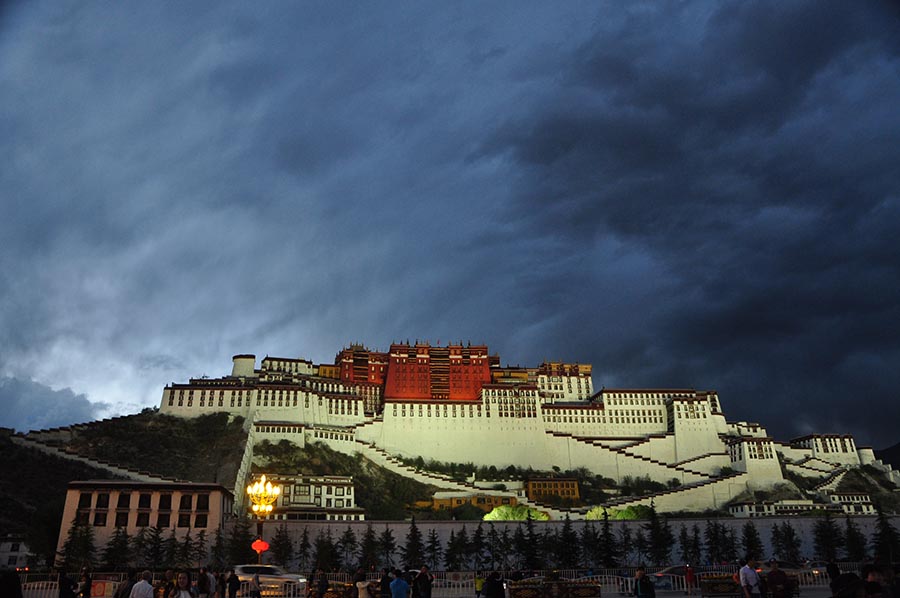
369,553
304,550
530,551
506,550
777,541
493,547
325,552
153,554
626,543
886,542
750,541
478,548
854,541
790,543
184,551
658,536
827,538
117,554
200,548
592,549
78,550
239,548
464,548
413,551
282,546
610,555
170,549
433,549
684,544
567,553
641,545
696,553
387,545
348,549
218,551
714,541
519,543
452,556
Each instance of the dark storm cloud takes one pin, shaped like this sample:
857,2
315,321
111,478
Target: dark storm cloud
28,405
686,195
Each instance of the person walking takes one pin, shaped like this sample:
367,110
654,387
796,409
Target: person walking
233,584
749,579
643,587
399,587
143,588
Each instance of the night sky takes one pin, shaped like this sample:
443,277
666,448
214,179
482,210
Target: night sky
683,194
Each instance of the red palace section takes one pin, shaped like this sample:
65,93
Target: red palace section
420,371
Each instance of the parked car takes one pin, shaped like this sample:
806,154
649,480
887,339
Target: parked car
273,581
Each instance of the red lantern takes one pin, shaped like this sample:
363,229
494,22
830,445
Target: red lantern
260,546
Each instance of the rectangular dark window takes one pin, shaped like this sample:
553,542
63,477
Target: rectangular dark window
100,519
162,520
143,519
187,501
200,520
82,517
124,501
144,501
165,502
203,502
84,500
122,519
103,500
184,520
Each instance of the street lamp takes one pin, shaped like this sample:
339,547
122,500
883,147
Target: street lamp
263,495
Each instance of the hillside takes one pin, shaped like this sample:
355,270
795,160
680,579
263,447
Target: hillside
33,492
207,448
890,455
383,494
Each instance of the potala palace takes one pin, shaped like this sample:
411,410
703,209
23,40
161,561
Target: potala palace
456,403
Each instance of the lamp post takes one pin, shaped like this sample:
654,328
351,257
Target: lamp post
263,495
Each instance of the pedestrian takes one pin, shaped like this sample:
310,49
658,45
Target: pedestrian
321,584
183,588
143,588
643,587
255,589
493,586
362,586
384,584
479,584
233,584
85,583
202,584
124,589
66,584
749,579
689,579
399,587
422,584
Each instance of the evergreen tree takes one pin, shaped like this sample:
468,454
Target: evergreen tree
218,552
590,545
777,542
348,549
239,548
304,548
684,543
478,548
567,554
696,545
184,551
464,547
886,542
325,552
549,543
640,545
433,549
658,536
170,549
369,554
78,550
493,547
154,554
611,549
282,546
519,542
854,542
626,544
506,551
139,548
200,548
452,554
713,537
413,551
529,551
387,545
751,542
827,538
117,554
730,544
791,543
